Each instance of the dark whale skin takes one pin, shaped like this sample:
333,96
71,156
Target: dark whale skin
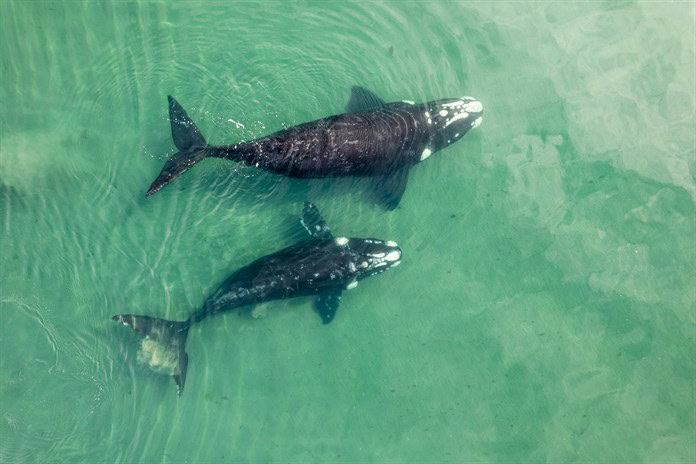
320,265
372,139
306,268
370,143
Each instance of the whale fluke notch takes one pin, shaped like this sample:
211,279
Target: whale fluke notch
315,224
163,347
362,99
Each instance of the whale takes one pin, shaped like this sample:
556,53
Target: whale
320,265
372,139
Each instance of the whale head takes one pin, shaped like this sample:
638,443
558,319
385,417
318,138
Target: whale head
449,120
370,256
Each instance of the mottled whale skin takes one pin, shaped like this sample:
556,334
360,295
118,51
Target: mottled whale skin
321,265
373,139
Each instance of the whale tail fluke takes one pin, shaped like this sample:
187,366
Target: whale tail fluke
163,347
188,139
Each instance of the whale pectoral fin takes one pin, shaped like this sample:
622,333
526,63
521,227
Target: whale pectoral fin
362,99
391,187
184,131
315,224
327,305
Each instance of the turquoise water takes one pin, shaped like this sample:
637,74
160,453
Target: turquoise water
544,309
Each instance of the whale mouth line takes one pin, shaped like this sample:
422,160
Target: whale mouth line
457,117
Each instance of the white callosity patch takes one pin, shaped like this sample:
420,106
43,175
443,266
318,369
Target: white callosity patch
351,266
473,107
390,243
461,110
393,256
457,117
427,152
341,241
427,114
477,122
351,285
409,102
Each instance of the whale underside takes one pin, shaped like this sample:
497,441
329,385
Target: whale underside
372,139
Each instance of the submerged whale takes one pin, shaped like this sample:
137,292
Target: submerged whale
321,265
373,139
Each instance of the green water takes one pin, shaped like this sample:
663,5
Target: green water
544,309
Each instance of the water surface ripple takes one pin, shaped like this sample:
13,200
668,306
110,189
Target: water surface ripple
544,307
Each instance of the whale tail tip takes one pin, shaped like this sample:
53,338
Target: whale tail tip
188,139
163,345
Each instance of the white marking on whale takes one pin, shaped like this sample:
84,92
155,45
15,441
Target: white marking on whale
236,123
456,118
474,107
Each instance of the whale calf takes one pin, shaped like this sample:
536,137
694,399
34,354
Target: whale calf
373,139
321,265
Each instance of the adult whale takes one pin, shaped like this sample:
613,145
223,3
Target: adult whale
321,265
374,138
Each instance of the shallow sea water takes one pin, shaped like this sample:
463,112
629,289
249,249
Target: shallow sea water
544,309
